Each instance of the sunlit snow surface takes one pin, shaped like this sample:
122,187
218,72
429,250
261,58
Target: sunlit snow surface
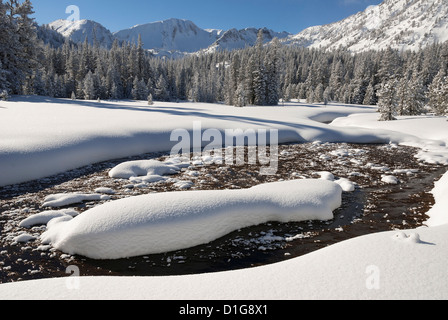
43,136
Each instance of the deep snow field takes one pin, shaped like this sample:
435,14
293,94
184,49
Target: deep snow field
43,137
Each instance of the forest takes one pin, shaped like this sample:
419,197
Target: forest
400,83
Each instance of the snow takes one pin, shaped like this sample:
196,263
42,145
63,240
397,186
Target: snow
170,35
42,136
359,268
429,133
105,190
165,222
346,184
78,30
402,25
66,199
439,213
389,179
43,218
140,168
24,237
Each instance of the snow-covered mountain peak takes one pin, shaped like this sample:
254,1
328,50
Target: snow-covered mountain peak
400,24
79,30
170,35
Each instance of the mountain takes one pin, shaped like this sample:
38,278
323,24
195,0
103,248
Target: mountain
173,35
170,38
401,24
78,31
239,39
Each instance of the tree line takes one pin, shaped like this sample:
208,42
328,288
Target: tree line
400,83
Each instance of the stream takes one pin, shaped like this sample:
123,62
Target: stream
374,206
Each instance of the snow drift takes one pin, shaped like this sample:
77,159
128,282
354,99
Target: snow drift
165,222
141,168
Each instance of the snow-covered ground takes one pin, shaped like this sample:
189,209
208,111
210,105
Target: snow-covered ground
41,137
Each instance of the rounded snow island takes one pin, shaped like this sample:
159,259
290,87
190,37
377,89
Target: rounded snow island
165,222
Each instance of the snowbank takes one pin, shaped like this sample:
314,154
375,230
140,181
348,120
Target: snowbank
66,199
439,213
359,268
165,222
44,217
140,168
429,133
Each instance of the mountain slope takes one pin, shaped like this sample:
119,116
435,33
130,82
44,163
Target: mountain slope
239,39
401,24
78,31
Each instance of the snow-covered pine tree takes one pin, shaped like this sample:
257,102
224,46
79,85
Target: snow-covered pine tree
273,65
39,86
288,93
135,90
259,72
248,81
336,78
3,84
10,48
89,87
5,35
438,94
415,96
401,92
150,100
387,100
327,95
161,90
370,97
240,96
319,93
310,95
27,35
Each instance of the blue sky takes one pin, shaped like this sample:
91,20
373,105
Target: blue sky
280,15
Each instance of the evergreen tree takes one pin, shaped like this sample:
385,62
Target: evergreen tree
319,93
161,91
370,96
240,96
3,83
10,48
259,72
402,91
27,36
135,89
273,74
387,100
415,96
150,100
438,94
88,87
